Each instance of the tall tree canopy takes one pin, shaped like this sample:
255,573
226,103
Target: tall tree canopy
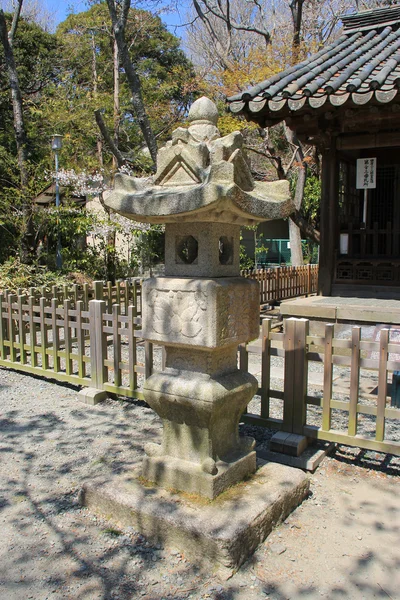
60,80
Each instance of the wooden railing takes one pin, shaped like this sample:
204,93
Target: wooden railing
102,348
97,347
363,414
281,283
124,293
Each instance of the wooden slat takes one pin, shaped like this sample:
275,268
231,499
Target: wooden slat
349,440
32,331
11,327
49,373
21,330
354,380
80,339
116,345
148,359
67,337
382,385
56,337
132,314
43,334
328,369
123,391
265,367
3,330
270,423
243,358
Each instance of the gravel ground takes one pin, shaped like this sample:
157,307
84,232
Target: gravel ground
343,542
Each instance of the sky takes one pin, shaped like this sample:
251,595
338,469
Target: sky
60,9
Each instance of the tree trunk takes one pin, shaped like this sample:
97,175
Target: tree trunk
99,142
135,87
294,231
117,116
296,251
27,234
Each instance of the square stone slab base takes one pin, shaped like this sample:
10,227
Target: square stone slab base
223,532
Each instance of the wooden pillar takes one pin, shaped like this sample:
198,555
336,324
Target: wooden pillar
329,218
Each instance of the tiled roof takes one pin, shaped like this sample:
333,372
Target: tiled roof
362,66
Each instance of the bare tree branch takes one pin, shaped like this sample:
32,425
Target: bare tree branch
108,139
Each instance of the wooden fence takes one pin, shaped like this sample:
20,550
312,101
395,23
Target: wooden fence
281,283
101,347
124,293
63,340
362,416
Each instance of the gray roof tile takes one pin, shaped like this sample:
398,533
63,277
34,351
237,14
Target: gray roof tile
366,58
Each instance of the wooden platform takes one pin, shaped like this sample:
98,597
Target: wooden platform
338,309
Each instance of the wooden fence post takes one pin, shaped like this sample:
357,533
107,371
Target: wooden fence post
328,377
300,375
265,366
98,290
354,379
98,343
98,351
291,439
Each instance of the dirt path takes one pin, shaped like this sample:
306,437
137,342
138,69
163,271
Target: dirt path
343,542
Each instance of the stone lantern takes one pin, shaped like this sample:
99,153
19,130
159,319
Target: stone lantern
201,309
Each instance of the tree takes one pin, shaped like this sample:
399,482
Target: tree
25,78
243,43
93,83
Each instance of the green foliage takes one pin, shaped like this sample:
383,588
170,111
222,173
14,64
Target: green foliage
64,77
15,275
86,43
149,247
246,261
37,59
312,199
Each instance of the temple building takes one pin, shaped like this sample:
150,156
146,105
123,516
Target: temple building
345,100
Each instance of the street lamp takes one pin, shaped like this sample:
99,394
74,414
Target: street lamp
56,145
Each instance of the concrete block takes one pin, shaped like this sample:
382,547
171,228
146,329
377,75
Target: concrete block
295,444
278,440
309,460
92,396
224,532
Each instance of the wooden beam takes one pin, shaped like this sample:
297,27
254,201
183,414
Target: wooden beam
328,226
368,140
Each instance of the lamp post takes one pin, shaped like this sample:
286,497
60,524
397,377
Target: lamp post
56,145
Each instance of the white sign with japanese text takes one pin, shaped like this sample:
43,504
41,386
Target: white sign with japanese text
366,173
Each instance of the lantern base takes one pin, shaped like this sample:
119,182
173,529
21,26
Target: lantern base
174,473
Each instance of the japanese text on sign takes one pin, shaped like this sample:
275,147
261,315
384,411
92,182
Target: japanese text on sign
366,173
